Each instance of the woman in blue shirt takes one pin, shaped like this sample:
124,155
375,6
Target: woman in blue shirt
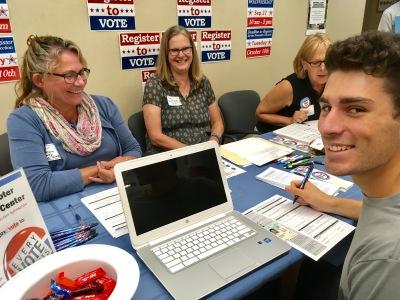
62,137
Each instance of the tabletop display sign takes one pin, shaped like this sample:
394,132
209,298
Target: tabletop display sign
258,42
24,237
260,13
194,13
215,45
9,70
5,26
139,50
105,15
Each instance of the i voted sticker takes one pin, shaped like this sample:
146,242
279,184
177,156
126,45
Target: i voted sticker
305,104
174,101
51,152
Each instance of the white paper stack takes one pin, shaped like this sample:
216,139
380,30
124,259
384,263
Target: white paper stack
299,132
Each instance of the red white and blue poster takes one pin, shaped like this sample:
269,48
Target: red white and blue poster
194,14
105,15
139,50
215,45
5,26
258,42
146,74
260,13
9,70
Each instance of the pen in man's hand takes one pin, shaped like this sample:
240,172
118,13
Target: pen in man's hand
304,181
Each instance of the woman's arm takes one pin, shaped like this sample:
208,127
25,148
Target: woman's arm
279,97
152,119
217,125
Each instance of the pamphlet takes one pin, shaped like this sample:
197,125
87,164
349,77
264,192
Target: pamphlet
300,132
24,238
312,232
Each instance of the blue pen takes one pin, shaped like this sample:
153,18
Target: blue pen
77,217
60,238
77,242
75,237
304,181
68,231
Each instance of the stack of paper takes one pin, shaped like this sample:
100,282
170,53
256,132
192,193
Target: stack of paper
299,132
281,179
256,150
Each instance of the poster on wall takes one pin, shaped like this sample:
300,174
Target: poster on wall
5,26
194,14
146,74
258,42
9,70
139,50
105,15
317,17
215,45
260,13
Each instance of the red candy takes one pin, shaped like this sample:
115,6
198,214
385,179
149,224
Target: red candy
89,277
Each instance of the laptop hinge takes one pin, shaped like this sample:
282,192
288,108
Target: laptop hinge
186,229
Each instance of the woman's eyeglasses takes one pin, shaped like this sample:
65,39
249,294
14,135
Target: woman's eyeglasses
175,51
316,63
71,77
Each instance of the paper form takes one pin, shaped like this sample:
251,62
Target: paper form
299,132
231,170
106,206
312,232
258,151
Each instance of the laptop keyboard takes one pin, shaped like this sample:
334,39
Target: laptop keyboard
198,245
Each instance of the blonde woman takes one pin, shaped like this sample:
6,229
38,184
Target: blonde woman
295,98
62,137
179,104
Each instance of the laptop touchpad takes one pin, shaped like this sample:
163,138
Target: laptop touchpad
231,263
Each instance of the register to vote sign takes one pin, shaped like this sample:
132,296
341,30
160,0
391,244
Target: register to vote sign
215,45
139,50
8,60
24,238
111,14
194,13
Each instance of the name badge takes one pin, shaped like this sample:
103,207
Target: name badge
51,152
174,101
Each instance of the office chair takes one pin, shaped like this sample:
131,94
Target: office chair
138,129
238,110
5,159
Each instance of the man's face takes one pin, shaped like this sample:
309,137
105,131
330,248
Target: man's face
358,126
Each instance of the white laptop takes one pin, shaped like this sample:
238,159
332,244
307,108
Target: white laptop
181,221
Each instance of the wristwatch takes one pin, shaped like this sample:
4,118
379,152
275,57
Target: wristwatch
218,136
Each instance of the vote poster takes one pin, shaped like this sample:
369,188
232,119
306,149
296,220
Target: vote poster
105,15
215,45
258,42
9,70
139,50
146,74
5,26
260,13
24,238
194,14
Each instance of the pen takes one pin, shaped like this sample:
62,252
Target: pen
67,231
304,181
77,217
297,163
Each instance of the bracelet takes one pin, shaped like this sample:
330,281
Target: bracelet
218,136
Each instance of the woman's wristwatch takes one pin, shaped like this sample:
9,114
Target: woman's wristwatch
218,136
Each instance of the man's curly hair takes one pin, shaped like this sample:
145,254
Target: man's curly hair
375,53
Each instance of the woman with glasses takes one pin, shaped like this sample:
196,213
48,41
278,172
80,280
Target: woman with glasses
295,98
179,104
62,137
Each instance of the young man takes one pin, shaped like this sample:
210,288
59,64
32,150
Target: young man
360,128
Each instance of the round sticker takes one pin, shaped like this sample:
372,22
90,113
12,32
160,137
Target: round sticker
305,102
320,175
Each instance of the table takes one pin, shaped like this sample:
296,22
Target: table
246,192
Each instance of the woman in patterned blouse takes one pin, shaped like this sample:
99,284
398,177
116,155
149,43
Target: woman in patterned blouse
179,104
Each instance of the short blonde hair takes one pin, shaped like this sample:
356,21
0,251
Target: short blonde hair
42,56
310,45
163,67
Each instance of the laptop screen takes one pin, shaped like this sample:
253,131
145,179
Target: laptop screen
167,191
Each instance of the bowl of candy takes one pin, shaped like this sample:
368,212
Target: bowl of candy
85,272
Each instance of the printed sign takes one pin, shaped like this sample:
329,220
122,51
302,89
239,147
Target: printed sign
194,13
215,45
24,238
111,14
258,42
9,70
5,26
146,74
260,13
139,50
317,17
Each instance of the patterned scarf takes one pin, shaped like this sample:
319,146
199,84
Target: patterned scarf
83,140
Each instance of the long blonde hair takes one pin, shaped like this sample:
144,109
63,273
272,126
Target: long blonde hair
42,56
310,45
163,67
